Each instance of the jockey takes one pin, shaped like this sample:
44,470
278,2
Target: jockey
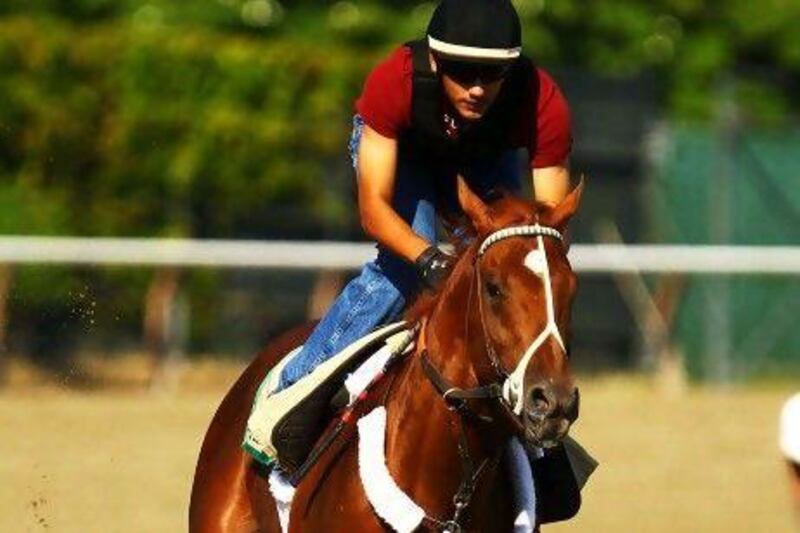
462,100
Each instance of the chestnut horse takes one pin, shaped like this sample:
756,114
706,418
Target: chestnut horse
495,336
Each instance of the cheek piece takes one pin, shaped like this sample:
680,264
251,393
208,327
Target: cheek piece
536,261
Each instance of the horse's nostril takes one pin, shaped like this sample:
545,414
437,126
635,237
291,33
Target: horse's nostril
540,401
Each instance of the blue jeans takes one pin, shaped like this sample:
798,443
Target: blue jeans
378,295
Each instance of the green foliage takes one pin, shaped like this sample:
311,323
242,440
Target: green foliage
139,130
694,46
118,127
216,118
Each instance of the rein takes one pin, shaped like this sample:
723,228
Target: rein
508,388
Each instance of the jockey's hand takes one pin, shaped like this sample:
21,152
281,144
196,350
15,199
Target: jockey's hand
433,266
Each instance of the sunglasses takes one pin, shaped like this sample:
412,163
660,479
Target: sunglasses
467,73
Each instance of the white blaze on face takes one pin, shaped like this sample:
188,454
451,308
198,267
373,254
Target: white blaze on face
536,261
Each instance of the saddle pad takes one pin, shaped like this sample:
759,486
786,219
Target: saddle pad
285,425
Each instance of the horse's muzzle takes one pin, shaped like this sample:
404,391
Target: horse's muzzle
549,412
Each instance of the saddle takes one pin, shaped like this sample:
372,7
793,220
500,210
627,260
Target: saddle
284,426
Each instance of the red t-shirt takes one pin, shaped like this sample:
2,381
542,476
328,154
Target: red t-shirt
385,106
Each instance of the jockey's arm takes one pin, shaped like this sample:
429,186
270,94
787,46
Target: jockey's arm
551,184
377,164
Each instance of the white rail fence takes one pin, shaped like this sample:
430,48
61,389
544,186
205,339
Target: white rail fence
627,264
589,258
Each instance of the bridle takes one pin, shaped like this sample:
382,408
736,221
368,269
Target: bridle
508,387
536,261
507,390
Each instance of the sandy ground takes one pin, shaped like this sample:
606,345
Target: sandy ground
117,460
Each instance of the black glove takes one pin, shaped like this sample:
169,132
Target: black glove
433,266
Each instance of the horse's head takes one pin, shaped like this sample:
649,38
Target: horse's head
524,287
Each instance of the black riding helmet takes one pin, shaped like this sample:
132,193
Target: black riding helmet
475,31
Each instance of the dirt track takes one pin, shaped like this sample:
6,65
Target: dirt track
122,461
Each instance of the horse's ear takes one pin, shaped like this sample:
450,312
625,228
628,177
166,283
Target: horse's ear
477,211
567,208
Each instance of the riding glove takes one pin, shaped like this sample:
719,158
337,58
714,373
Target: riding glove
433,266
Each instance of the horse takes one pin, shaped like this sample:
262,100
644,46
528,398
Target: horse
490,363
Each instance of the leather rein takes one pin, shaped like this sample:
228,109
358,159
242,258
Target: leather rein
458,399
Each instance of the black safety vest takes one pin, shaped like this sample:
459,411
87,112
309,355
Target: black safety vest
486,138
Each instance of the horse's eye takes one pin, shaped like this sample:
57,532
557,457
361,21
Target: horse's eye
493,290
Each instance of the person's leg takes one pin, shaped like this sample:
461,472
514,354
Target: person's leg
380,292
370,299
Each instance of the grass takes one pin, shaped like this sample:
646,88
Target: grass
116,460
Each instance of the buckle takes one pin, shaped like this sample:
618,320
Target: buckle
453,404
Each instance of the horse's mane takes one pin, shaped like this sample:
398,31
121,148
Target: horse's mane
506,210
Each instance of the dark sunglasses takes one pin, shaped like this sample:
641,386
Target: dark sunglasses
473,73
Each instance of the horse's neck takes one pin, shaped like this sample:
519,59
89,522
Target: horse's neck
422,434
422,442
